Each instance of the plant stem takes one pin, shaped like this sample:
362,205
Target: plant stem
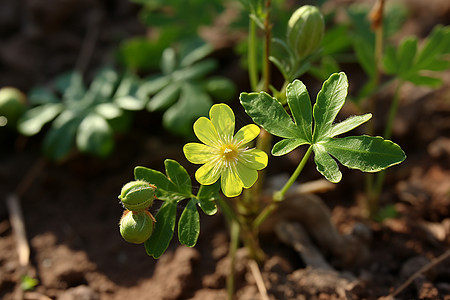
252,56
267,41
392,112
279,195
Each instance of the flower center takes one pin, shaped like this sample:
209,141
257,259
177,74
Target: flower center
229,152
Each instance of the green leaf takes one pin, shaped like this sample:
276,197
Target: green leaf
60,139
300,106
287,145
164,98
35,118
390,62
196,71
349,124
189,225
365,153
424,80
329,102
41,95
267,112
94,136
168,61
326,165
365,54
71,85
193,103
206,196
406,53
179,176
108,110
165,189
437,43
163,231
103,84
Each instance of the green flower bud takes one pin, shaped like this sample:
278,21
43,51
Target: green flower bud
12,105
136,227
137,195
305,31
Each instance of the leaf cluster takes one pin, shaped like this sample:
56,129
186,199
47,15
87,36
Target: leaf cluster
173,187
419,65
314,126
79,116
181,90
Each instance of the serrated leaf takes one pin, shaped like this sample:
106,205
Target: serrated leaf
35,118
365,153
179,176
165,189
157,244
189,225
206,196
330,100
94,136
349,124
287,145
268,113
300,106
326,165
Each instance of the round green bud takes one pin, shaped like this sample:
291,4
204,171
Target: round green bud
12,105
305,31
136,227
137,195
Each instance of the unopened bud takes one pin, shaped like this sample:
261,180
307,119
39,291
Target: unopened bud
305,31
136,227
137,195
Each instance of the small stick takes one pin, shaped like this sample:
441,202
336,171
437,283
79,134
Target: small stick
258,279
18,226
422,270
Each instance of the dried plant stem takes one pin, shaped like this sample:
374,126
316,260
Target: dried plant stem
258,279
422,270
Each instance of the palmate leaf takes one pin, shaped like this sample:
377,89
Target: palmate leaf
409,62
368,154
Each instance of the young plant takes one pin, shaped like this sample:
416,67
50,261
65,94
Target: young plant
182,90
86,118
227,156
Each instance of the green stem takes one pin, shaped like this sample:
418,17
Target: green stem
267,41
279,195
392,112
252,56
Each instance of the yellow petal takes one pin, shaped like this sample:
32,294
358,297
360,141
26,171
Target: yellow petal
197,153
254,159
247,176
205,131
222,117
230,183
208,173
246,134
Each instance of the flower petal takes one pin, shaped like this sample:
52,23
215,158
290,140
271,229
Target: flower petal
208,173
230,183
246,134
198,153
205,131
247,176
222,117
254,159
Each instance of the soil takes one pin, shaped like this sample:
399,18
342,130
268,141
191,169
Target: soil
71,209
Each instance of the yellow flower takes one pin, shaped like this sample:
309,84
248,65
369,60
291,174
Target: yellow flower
224,155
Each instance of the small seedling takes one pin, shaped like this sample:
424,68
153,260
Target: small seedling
85,118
